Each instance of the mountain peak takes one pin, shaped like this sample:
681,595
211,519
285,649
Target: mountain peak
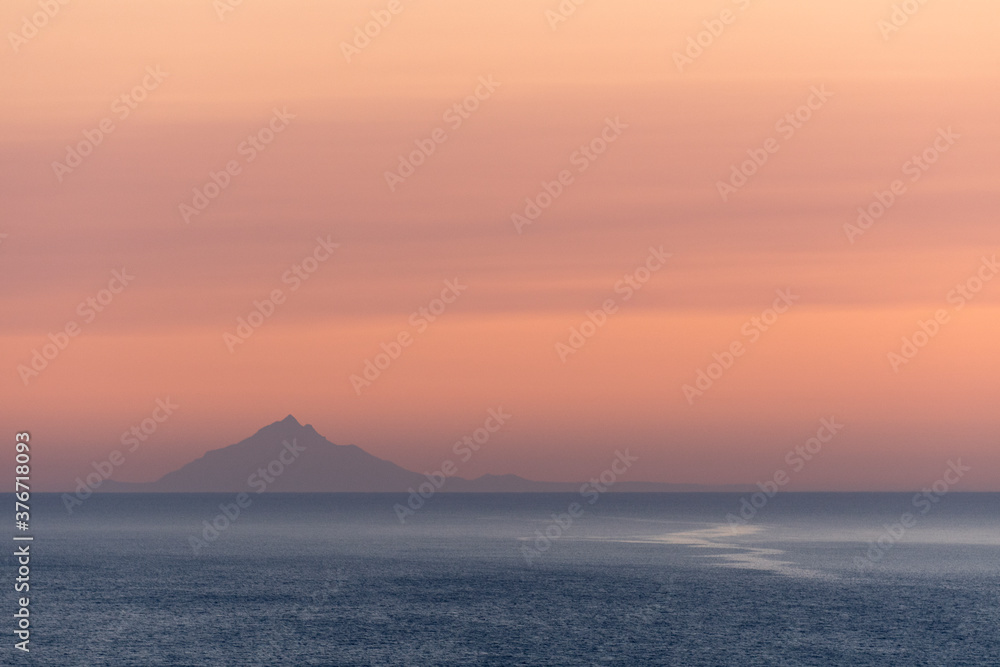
288,457
286,428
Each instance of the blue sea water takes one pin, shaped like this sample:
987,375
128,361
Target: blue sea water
635,579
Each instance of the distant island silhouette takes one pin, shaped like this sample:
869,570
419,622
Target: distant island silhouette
288,457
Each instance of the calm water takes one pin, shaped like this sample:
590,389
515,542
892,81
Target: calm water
637,579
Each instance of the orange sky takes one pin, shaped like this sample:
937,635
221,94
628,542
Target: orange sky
62,235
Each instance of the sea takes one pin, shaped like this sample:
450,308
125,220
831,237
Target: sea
511,579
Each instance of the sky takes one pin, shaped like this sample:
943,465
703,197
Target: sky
595,205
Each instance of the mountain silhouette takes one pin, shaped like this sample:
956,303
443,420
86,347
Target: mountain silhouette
287,457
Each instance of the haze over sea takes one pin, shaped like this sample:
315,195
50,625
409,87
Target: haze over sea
637,579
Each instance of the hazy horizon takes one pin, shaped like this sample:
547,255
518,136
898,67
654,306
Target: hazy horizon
96,478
